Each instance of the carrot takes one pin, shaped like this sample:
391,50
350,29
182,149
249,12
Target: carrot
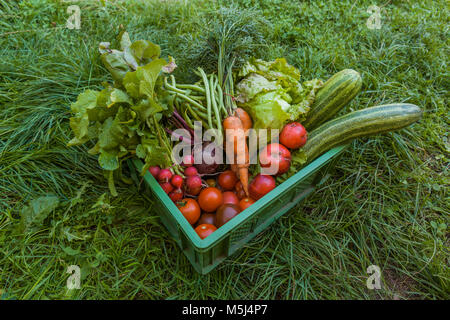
239,146
244,117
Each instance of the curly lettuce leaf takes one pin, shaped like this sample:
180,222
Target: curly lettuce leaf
272,93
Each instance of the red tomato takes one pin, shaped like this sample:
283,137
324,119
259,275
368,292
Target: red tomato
210,199
227,180
275,156
260,186
225,213
190,209
293,135
205,230
209,218
230,197
245,203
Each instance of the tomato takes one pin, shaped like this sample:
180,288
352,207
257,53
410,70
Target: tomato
293,135
225,213
230,197
276,158
227,180
245,203
209,218
204,230
190,209
260,186
210,199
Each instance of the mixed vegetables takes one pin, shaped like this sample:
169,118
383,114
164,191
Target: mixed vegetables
142,112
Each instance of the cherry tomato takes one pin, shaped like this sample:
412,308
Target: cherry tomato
275,157
209,218
204,230
210,199
190,209
293,135
245,203
260,186
230,197
225,213
227,180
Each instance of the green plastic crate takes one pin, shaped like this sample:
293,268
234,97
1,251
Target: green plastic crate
206,254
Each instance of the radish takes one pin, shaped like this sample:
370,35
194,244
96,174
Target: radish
164,175
193,184
188,161
154,171
177,181
176,195
190,171
166,186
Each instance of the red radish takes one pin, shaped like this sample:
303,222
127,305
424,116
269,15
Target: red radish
176,195
164,175
177,181
193,185
193,182
190,171
276,158
188,161
154,171
194,191
293,135
166,186
260,186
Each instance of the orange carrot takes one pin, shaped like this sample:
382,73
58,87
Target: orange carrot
245,118
239,146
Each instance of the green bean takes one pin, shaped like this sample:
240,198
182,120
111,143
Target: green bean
192,87
214,104
208,96
195,103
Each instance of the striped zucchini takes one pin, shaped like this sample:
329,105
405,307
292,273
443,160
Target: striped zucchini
360,123
336,93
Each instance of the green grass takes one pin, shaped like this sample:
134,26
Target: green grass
387,202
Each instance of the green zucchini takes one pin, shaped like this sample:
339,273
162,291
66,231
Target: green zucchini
360,123
335,94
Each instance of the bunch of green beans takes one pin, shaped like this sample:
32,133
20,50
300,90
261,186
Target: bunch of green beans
202,101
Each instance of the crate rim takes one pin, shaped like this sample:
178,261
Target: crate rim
222,232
